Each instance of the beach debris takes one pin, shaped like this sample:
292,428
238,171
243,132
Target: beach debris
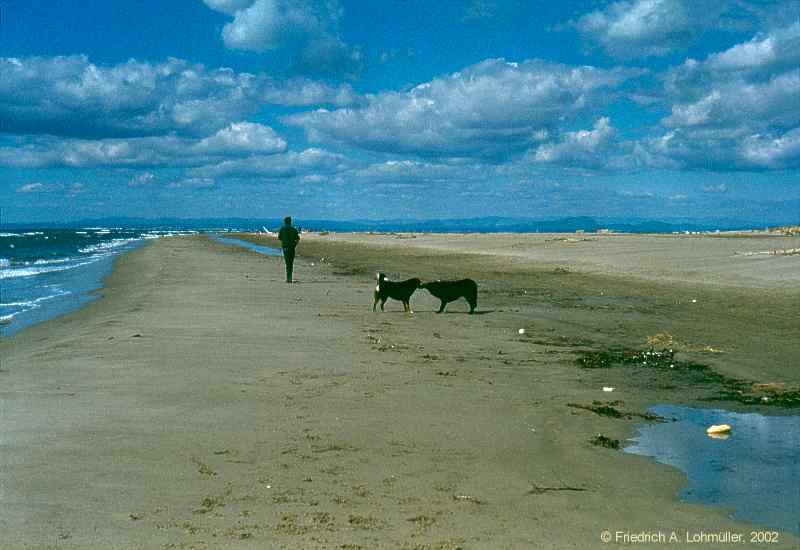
467,498
612,410
135,516
601,440
608,389
521,331
422,522
137,335
769,387
717,429
666,340
694,301
539,490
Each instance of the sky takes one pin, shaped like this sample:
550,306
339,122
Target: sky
400,109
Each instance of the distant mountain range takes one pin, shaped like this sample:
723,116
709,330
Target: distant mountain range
477,225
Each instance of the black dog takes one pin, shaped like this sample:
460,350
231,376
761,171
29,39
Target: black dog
448,291
401,290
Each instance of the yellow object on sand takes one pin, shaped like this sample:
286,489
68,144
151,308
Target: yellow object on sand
718,429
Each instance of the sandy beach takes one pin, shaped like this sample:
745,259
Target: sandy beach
203,403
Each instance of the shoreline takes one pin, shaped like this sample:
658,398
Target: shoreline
225,408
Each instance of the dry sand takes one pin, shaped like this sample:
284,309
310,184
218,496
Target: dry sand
203,403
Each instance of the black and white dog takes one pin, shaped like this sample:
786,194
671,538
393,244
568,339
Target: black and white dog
448,291
401,290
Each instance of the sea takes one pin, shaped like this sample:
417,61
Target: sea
50,272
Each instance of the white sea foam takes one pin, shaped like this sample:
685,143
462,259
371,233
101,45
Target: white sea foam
49,262
4,262
29,271
30,304
105,246
10,235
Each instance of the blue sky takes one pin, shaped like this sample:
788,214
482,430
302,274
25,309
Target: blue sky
400,109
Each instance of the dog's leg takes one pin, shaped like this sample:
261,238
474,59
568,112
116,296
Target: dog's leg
441,306
375,303
383,302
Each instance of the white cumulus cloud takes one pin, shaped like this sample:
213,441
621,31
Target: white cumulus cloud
72,97
736,110
587,148
308,28
236,140
641,28
492,109
244,137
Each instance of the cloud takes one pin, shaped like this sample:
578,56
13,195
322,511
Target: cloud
636,194
142,180
286,165
31,188
229,7
72,97
719,188
192,183
492,109
308,28
721,151
243,137
587,148
236,140
777,49
641,28
735,110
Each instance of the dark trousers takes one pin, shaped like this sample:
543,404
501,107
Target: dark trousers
288,259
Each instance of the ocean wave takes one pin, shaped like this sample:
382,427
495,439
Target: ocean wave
53,261
30,304
108,245
14,272
4,262
10,235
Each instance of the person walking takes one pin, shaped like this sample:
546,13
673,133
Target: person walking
289,237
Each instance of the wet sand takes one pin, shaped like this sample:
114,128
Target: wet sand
204,403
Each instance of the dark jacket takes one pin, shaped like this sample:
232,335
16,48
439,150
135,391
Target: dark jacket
288,236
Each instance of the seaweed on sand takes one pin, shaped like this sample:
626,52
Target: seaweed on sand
725,388
601,440
610,409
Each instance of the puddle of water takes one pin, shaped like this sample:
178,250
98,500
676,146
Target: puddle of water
249,246
755,472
